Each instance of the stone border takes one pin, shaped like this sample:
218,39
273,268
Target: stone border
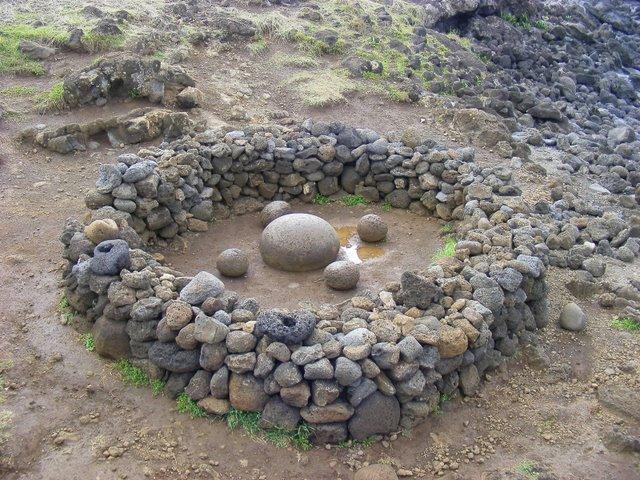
377,365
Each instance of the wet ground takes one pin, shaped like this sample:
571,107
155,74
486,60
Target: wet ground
410,244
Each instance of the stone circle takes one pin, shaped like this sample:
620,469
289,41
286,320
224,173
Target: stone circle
371,228
232,262
342,275
299,242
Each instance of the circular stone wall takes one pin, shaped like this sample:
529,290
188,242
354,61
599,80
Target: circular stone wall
299,242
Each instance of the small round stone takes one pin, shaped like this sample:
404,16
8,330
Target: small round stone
371,228
299,242
342,275
572,318
232,263
274,210
100,230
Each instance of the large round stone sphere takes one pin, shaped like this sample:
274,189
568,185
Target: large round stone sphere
233,262
299,242
371,228
273,210
342,275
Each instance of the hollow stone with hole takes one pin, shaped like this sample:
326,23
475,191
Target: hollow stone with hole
299,242
286,327
110,257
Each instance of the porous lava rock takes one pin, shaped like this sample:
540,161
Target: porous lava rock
377,414
286,327
233,262
110,257
371,228
342,275
299,242
273,210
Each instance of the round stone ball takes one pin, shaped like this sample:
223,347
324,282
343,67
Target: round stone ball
273,210
299,242
371,228
232,263
342,275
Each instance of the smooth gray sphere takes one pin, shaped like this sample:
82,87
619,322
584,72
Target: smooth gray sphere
232,263
273,210
299,242
371,228
342,275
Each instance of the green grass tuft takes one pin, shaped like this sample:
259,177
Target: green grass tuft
353,200
397,95
528,468
626,323
296,61
95,42
447,229
257,47
12,60
131,374
321,200
18,91
447,250
521,21
248,421
186,405
51,100
67,313
87,340
386,207
157,386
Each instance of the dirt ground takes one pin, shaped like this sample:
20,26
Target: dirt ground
531,419
412,241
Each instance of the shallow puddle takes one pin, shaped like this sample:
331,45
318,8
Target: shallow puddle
354,249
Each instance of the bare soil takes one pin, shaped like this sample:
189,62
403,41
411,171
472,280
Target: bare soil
411,243
68,406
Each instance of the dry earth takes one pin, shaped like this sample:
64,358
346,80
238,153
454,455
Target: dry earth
534,418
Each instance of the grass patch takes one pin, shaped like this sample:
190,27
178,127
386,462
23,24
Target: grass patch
67,313
296,61
353,200
521,21
627,324
51,100
87,340
386,207
257,47
157,386
12,60
397,95
447,250
186,405
95,42
541,25
250,423
447,229
321,200
320,88
131,374
527,468
18,90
